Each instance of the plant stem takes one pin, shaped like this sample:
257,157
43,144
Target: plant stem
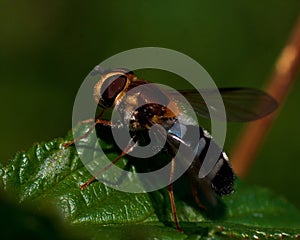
279,85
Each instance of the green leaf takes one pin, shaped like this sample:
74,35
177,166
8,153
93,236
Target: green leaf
27,222
50,174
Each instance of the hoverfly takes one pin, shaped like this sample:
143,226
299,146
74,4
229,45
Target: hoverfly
240,103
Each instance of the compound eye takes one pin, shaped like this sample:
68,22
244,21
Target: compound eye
110,89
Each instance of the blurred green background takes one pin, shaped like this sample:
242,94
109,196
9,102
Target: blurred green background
48,47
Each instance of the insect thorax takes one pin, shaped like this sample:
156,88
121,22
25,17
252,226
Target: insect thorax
147,115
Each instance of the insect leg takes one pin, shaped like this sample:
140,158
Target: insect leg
128,149
123,175
195,194
171,196
93,119
98,121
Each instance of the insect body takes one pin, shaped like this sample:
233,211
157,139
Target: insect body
142,110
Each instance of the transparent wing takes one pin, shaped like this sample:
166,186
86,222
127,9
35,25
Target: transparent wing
241,104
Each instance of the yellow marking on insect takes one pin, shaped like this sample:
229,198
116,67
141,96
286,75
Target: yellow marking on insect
171,110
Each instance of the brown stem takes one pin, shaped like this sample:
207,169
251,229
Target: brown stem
278,86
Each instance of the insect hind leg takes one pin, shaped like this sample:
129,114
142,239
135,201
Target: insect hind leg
195,195
171,196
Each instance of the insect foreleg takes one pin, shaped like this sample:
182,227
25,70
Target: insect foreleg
98,121
131,145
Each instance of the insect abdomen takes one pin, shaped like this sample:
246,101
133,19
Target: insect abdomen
221,178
